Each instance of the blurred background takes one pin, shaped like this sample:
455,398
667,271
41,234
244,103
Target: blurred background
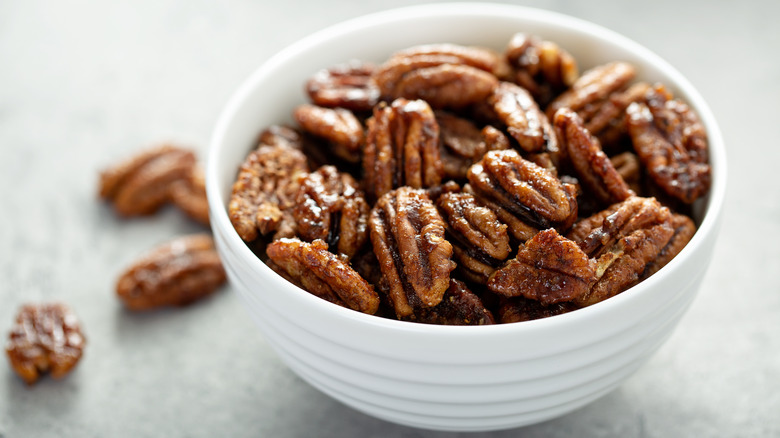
86,83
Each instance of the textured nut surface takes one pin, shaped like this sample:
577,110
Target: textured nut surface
312,267
347,85
684,229
407,234
459,306
608,120
519,309
189,195
265,190
540,66
446,85
593,88
176,273
524,121
330,207
338,126
45,338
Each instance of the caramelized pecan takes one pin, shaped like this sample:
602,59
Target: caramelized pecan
459,306
463,144
45,338
520,309
280,135
540,67
608,121
627,165
524,121
346,85
684,228
408,238
312,267
189,195
338,126
593,89
179,272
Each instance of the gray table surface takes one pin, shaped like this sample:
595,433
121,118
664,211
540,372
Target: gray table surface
85,83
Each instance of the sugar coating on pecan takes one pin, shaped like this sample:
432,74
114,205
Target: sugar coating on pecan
324,274
189,195
347,85
46,338
265,190
446,85
459,306
540,66
684,229
339,127
407,234
608,121
519,309
524,121
176,273
329,206
593,88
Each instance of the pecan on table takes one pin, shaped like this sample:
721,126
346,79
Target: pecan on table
518,309
591,165
330,207
313,268
141,184
671,143
189,195
459,306
540,66
265,190
516,188
402,148
45,338
480,242
176,273
347,85
462,143
524,121
339,127
549,268
407,234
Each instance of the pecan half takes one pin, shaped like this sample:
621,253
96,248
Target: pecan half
280,135
176,273
627,165
519,309
672,144
189,195
402,148
608,121
684,229
330,207
463,144
312,267
459,306
540,66
265,190
524,121
346,85
408,238
338,126
593,89
45,338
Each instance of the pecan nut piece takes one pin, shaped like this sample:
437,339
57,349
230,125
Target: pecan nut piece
338,126
346,85
189,195
407,234
672,144
519,309
684,229
540,66
593,89
549,268
265,190
592,166
330,207
141,184
402,148
447,85
45,338
459,306
524,121
176,273
608,120
313,268
627,165
463,144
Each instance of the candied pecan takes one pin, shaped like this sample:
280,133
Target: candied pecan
402,148
280,135
479,57
338,126
520,230
141,184
608,122
671,143
176,273
518,309
549,268
312,267
627,165
684,228
446,85
463,144
45,338
593,88
347,85
592,166
330,207
189,195
459,306
506,182
524,121
480,242
407,234
540,67
264,190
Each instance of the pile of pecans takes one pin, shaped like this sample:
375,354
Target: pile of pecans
457,185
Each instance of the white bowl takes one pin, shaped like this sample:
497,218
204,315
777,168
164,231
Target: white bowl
453,377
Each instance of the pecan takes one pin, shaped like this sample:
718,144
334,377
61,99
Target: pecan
540,67
141,184
592,166
402,148
45,338
176,273
627,165
684,228
463,144
549,268
524,121
459,306
338,126
313,268
480,242
346,85
189,195
608,122
280,135
520,309
407,234
593,89
265,190
330,207
671,143
511,185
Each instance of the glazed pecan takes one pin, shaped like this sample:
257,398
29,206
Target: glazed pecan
346,85
45,338
176,273
280,135
592,166
549,268
459,306
141,184
684,228
312,267
608,121
189,195
480,241
407,234
524,121
265,190
520,309
402,148
330,207
593,89
513,186
463,144
541,67
627,165
671,143
338,126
